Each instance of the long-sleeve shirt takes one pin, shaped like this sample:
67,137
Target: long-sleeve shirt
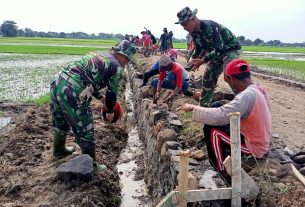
254,107
213,40
100,69
180,73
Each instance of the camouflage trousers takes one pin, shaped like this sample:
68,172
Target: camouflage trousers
67,111
210,77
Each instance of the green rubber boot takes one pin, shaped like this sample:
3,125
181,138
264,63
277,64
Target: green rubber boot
89,148
59,149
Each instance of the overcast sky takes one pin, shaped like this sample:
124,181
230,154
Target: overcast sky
265,19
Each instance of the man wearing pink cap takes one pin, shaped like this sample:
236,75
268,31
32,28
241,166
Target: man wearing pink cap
255,126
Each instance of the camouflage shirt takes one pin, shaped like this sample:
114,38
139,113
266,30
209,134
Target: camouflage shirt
213,40
100,69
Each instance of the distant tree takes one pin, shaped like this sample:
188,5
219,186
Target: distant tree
52,34
277,42
258,41
92,36
79,35
248,42
41,34
62,35
9,29
105,36
241,39
118,36
270,43
20,32
29,33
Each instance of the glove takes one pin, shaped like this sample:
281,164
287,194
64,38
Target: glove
117,113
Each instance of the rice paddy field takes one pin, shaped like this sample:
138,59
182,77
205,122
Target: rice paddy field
28,65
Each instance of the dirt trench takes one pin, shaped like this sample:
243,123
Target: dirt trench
27,171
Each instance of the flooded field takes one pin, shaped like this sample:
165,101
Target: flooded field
274,55
26,76
291,65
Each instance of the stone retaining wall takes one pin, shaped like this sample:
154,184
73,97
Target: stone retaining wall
159,129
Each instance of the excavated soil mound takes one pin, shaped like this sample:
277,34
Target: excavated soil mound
27,171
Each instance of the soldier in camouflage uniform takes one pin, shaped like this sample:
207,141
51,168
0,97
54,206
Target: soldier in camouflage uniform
71,92
215,45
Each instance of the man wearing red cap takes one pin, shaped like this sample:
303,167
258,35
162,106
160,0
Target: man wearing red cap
255,126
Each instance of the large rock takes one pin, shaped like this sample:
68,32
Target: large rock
164,136
78,168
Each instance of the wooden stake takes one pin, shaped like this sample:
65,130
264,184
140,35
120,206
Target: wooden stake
183,178
236,160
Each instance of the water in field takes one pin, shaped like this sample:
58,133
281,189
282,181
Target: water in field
274,55
28,76
60,45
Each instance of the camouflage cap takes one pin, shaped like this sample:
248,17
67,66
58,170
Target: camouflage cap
126,48
185,14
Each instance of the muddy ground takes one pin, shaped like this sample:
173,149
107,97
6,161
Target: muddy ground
27,171
278,185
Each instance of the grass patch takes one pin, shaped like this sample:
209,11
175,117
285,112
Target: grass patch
283,49
63,41
293,68
190,128
180,45
289,64
41,49
45,99
274,49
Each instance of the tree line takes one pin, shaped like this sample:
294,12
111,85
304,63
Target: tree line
10,29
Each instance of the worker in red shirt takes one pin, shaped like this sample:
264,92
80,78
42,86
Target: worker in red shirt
177,78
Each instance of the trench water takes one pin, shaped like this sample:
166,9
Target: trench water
133,191
4,121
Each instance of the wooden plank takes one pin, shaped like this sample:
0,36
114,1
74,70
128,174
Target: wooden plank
236,160
183,177
167,200
204,195
298,174
249,189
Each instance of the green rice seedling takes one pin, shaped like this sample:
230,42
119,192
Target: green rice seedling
57,41
42,49
295,69
28,78
281,49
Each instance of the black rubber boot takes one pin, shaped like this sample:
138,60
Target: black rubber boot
89,148
59,149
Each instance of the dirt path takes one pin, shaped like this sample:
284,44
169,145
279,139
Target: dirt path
27,171
287,105
288,111
278,185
